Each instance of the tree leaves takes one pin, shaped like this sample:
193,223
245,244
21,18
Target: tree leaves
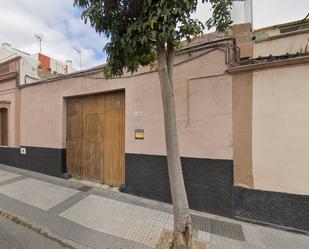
221,16
136,28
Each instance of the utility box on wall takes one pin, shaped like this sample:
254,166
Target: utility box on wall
23,151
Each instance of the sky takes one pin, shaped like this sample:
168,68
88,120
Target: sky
63,30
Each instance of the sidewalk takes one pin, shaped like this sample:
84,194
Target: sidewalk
103,218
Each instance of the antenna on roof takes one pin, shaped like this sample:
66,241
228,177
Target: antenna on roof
40,39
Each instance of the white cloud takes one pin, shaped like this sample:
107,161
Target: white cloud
272,12
61,26
63,30
266,12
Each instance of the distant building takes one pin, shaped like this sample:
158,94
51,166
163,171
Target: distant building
28,64
34,67
48,64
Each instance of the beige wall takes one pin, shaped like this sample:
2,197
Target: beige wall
204,109
280,130
243,36
281,46
8,95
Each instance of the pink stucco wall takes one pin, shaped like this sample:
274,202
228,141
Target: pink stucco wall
280,138
204,108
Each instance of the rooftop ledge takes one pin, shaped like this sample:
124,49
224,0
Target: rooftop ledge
269,65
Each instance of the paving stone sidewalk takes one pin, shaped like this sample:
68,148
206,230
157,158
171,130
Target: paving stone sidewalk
103,218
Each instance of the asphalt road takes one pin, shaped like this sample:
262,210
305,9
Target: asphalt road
14,236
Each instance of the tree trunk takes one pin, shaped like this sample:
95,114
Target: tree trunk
182,218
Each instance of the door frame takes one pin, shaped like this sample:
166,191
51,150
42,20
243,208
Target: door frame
65,119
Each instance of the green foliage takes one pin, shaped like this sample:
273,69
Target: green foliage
137,28
221,16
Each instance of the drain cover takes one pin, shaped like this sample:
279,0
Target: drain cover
85,188
222,228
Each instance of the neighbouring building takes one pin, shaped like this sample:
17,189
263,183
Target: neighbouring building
35,67
270,120
51,65
27,65
242,116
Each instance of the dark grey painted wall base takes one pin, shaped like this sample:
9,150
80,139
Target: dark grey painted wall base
209,183
43,160
265,207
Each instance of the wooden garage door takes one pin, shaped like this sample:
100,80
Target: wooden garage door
95,137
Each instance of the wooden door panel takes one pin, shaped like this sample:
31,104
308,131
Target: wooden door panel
114,140
93,128
90,105
75,129
95,137
75,106
74,159
74,137
92,160
93,147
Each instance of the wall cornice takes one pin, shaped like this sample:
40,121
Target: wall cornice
269,65
8,76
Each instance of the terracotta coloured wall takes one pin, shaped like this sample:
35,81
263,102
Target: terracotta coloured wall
45,62
204,109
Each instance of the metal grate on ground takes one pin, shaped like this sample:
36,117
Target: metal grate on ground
222,228
85,188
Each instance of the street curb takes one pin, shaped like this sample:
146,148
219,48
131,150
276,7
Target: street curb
42,230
